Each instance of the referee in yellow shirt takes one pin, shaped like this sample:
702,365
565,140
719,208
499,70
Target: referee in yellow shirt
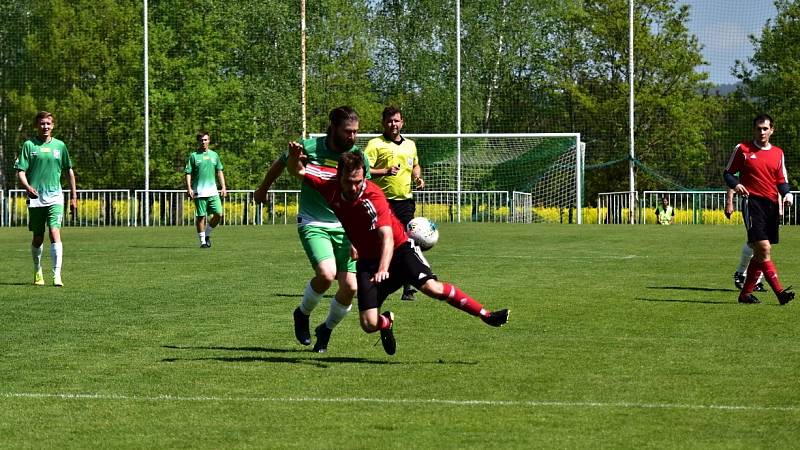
394,166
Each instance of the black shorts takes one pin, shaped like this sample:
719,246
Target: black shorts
761,219
408,266
403,209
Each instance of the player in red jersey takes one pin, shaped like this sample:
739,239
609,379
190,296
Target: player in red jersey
764,184
387,258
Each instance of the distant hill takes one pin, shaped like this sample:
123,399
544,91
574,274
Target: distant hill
724,89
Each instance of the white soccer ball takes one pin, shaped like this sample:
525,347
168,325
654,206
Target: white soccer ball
423,232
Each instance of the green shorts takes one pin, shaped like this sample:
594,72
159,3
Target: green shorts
207,205
322,243
51,216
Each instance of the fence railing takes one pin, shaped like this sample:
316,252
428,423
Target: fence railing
691,207
96,207
617,207
169,207
174,207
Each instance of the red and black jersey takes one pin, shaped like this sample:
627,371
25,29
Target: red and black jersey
361,217
761,170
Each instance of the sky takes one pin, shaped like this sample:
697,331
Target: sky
723,27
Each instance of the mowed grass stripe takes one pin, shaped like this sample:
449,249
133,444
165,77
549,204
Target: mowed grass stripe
499,403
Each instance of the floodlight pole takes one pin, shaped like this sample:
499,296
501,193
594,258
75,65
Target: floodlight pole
303,81
146,211
632,156
458,110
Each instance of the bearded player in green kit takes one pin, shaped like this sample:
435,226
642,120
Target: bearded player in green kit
321,233
39,168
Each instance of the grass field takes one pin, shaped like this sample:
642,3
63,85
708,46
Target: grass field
620,337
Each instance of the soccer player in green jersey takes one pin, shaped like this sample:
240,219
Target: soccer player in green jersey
39,168
395,166
202,169
321,234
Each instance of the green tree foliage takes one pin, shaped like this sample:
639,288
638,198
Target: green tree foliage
233,68
772,83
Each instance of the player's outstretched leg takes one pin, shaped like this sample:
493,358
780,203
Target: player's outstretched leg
459,299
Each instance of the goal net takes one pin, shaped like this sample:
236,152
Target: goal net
498,177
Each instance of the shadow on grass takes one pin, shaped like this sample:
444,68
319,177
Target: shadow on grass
15,284
161,246
324,361
233,349
318,362
674,300
700,289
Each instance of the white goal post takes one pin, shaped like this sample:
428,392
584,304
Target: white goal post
541,174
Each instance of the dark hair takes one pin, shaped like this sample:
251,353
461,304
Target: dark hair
763,118
202,133
389,111
41,115
340,115
349,162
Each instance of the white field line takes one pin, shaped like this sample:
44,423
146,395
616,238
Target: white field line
545,257
389,401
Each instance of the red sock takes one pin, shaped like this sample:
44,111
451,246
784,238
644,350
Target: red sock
771,275
459,299
754,270
384,323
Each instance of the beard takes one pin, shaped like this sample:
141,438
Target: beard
342,143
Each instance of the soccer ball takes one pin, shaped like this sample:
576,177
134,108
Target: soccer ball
423,232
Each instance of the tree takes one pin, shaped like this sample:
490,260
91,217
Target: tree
771,82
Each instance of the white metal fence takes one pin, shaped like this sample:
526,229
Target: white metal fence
96,207
691,207
113,207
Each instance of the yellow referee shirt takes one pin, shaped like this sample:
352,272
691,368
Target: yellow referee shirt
382,154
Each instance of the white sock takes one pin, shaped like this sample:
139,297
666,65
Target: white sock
336,313
202,236
744,260
57,254
209,229
310,300
36,252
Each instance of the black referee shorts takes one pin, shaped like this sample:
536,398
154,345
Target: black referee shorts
761,219
408,266
403,209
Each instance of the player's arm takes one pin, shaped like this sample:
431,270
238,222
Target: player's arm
188,179
729,174
275,170
73,192
23,180
416,176
387,251
783,185
293,162
729,203
221,177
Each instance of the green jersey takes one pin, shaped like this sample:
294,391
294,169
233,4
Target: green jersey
314,210
43,163
203,167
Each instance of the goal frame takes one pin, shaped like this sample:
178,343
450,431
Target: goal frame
579,156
